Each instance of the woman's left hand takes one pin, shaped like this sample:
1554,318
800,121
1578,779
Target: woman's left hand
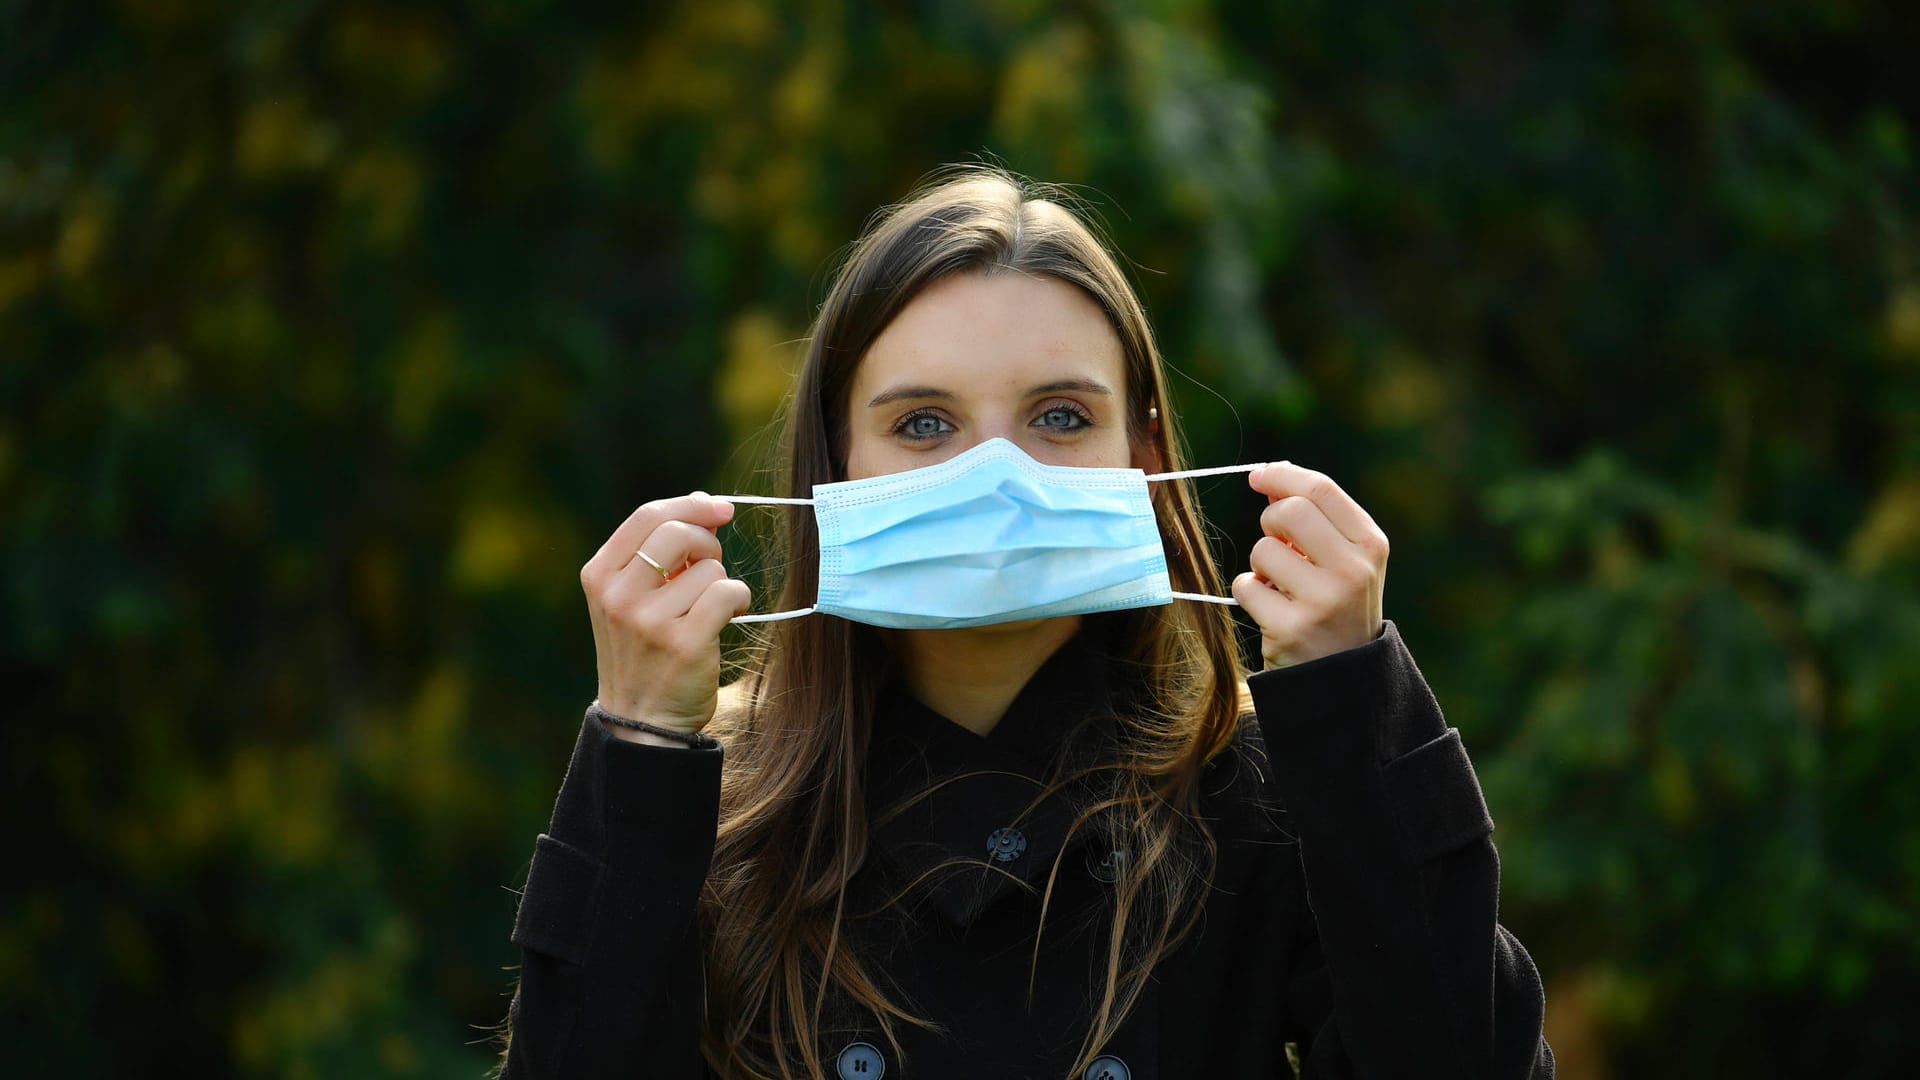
1320,572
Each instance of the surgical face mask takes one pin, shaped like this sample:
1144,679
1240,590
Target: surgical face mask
987,536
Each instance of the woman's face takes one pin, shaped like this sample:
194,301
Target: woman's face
1028,358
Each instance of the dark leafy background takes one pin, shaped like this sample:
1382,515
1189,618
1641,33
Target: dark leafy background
335,337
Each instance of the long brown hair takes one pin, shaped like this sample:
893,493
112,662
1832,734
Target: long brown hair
793,828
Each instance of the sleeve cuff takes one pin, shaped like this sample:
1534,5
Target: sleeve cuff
662,803
632,819
1436,798
1359,748
614,788
556,908
1369,700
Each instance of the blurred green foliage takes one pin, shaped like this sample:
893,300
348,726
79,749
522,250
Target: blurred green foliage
335,337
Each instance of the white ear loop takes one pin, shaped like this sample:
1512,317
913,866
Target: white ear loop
1187,474
1182,474
772,616
769,500
1221,470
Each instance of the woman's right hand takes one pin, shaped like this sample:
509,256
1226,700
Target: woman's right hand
656,637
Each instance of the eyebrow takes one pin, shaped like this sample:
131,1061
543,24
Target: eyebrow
930,393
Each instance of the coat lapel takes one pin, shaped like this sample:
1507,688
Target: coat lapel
953,812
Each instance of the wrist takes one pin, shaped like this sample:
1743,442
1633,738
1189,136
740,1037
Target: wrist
640,731
644,738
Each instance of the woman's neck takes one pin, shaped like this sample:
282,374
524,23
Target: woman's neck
970,676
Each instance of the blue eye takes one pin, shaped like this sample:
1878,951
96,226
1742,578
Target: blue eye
923,425
1062,418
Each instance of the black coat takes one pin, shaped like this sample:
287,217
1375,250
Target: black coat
1353,933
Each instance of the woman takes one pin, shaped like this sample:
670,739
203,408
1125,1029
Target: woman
950,826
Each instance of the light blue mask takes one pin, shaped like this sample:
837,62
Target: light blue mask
987,536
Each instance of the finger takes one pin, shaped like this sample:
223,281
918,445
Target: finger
698,508
1275,563
1284,478
1266,604
676,597
1300,521
675,545
718,603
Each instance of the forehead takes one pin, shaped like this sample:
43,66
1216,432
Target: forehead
981,333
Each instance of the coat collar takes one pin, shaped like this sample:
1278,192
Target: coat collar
943,846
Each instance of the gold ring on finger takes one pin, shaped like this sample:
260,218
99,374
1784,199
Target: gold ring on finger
648,559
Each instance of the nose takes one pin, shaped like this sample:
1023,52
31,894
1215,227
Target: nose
996,430
984,435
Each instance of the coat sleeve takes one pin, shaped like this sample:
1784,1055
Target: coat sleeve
1402,968
610,949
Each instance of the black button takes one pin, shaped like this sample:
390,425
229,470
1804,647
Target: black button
1106,866
1006,845
1107,1067
861,1061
